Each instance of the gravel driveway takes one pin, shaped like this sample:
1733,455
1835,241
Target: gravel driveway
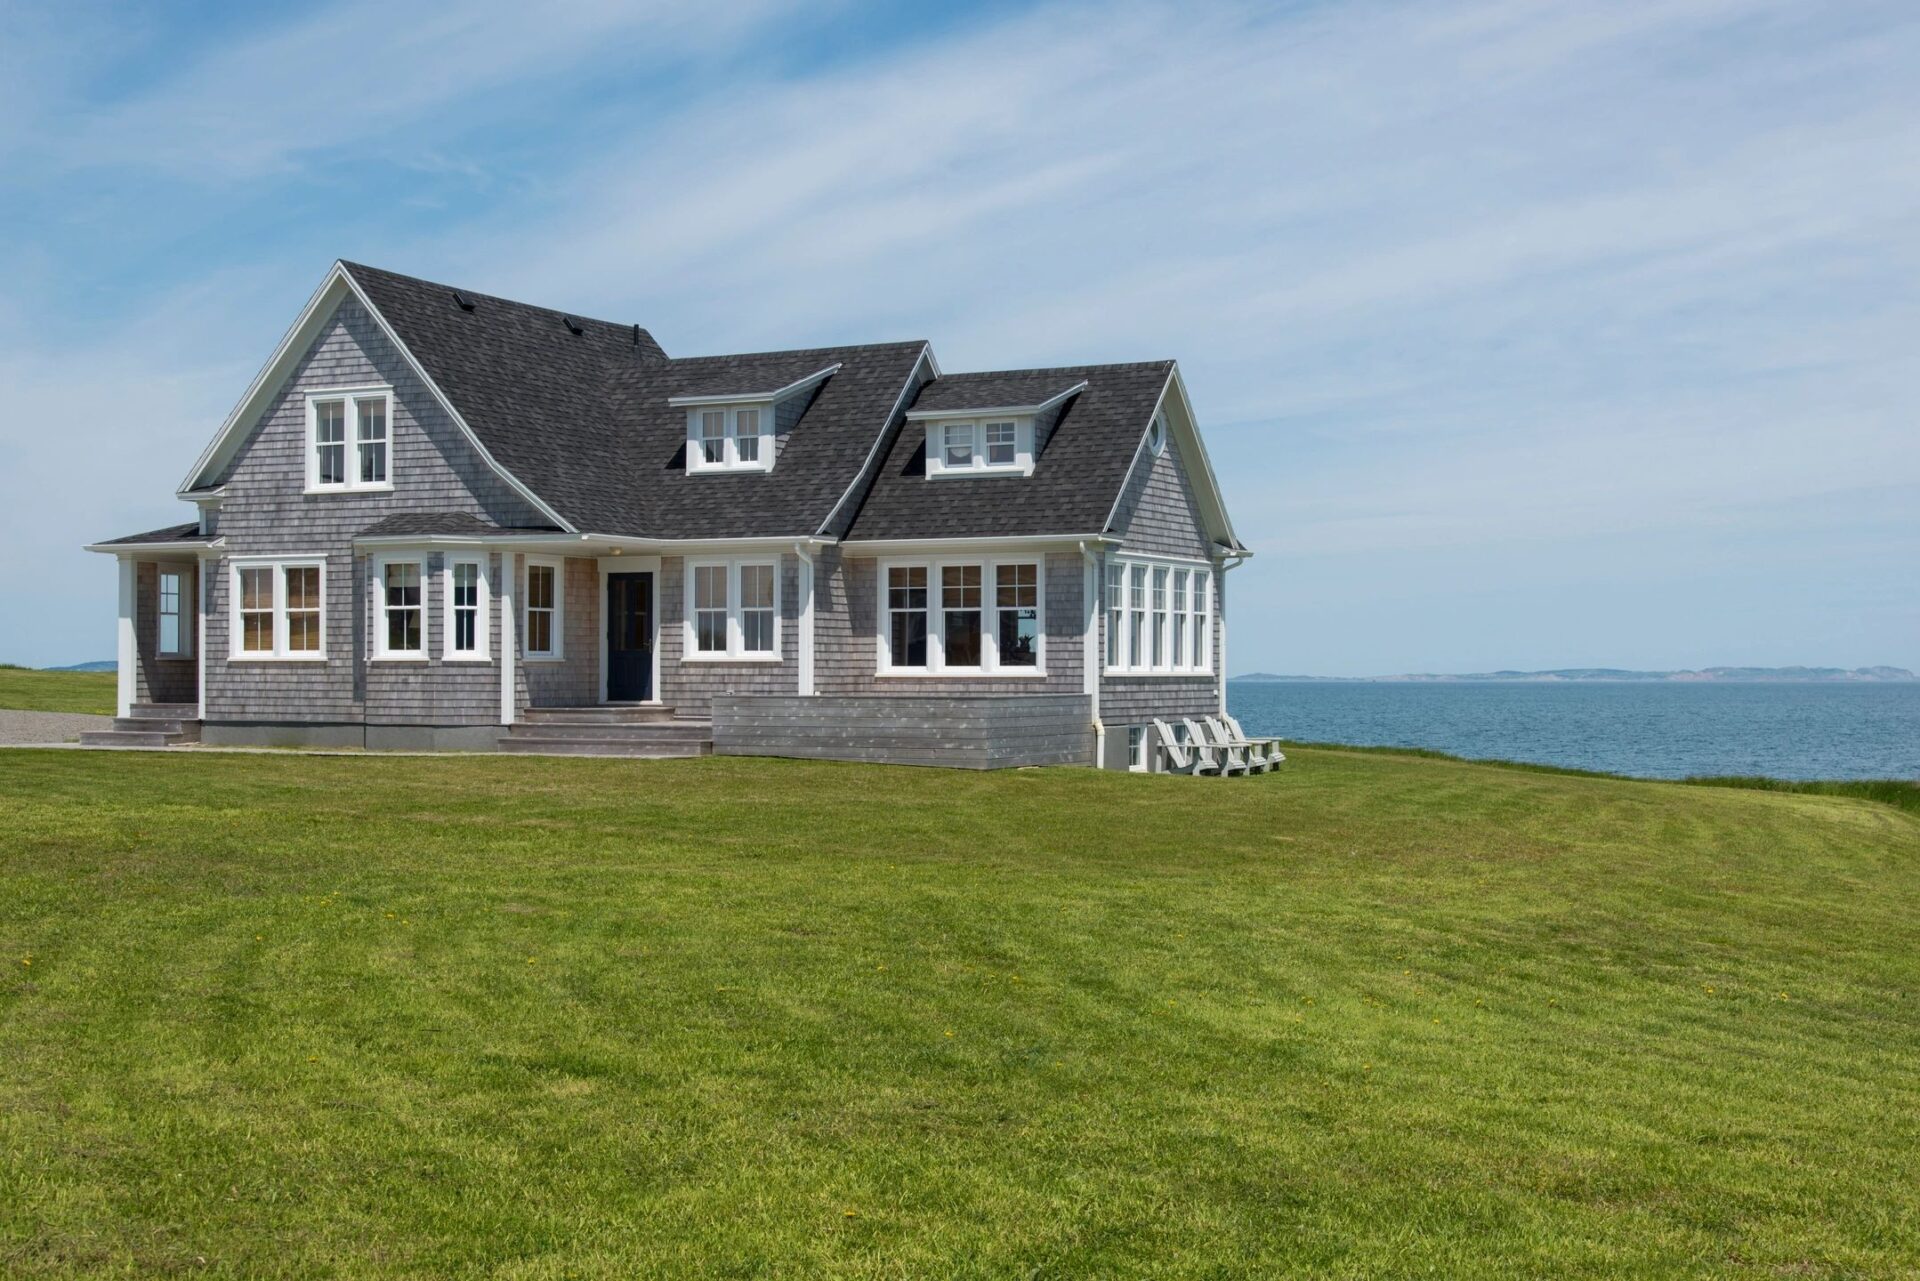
17,728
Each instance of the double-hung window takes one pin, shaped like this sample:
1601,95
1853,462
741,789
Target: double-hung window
545,603
1158,643
729,438
958,445
174,635
464,626
961,617
733,610
350,440
979,447
1116,614
1002,446
1137,614
1201,619
400,629
1177,634
1158,617
279,608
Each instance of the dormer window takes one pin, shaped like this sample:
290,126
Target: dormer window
729,438
991,435
959,444
980,447
1002,445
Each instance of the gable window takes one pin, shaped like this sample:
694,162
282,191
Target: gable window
1157,617
401,631
545,604
349,440
733,610
465,631
729,438
980,447
987,618
174,638
279,608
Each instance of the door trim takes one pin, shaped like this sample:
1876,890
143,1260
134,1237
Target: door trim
627,565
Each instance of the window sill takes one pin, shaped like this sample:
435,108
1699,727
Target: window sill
1149,672
732,658
958,473
466,658
314,491
965,674
398,658
277,658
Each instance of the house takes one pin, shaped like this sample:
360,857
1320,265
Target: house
439,519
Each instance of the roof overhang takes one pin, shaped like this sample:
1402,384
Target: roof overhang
961,546
793,388
1004,411
134,549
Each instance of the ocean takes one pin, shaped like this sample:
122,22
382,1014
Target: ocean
1652,730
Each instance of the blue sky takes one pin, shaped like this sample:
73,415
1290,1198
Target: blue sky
1523,334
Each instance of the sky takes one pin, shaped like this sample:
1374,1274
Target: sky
1522,333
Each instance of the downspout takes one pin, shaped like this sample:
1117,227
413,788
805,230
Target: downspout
1090,649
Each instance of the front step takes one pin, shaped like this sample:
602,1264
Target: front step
148,730
578,732
599,714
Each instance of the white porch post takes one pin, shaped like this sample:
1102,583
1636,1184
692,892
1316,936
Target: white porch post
805,665
509,638
202,596
129,654
1090,648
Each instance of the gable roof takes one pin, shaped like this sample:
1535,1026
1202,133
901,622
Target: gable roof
1008,389
1076,477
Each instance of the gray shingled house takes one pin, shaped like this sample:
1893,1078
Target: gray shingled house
443,519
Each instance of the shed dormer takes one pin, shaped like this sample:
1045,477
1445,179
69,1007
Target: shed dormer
972,432
735,430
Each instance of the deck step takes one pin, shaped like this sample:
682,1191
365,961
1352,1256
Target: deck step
629,748
602,714
129,738
608,731
163,712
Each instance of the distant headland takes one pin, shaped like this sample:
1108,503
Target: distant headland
1720,675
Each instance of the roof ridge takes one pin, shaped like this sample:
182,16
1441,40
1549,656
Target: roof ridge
800,351
1057,369
624,326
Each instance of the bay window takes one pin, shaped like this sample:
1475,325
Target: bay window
349,440
961,617
278,608
733,610
1159,616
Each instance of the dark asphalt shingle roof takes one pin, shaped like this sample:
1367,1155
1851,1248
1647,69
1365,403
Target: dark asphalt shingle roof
188,533
458,524
583,421
1076,478
1004,389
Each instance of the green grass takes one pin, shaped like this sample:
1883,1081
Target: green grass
28,689
1371,1016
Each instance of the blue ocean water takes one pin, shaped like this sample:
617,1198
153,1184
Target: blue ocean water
1653,730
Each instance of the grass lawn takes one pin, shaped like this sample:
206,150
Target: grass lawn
27,689
1372,1016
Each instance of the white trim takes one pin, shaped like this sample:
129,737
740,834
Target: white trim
629,565
1090,648
557,629
803,578
509,641
962,546
138,550
279,564
377,622
351,398
483,605
736,651
750,397
127,644
990,666
998,411
203,605
884,437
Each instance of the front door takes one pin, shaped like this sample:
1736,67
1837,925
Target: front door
629,637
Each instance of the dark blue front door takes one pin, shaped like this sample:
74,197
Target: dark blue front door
629,637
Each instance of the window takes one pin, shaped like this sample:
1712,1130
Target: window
465,634
279,609
1137,748
1017,600
174,638
960,615
1157,617
1178,648
975,448
1001,448
544,608
733,610
958,450
965,631
729,438
364,418
1157,435
401,631
907,615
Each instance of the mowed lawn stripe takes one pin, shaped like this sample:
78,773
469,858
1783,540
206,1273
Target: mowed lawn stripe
1371,1015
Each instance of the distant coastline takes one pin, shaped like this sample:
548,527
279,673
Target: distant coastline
1704,675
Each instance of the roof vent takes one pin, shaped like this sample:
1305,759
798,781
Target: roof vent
573,326
465,303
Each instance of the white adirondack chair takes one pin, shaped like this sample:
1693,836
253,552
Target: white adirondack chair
1228,742
1233,759
1270,747
1195,758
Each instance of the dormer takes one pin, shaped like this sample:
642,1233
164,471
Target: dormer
984,439
735,431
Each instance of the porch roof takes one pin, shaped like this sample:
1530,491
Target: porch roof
446,525
171,535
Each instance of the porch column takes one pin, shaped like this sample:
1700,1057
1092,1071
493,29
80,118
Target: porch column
509,638
1090,648
202,598
805,664
129,654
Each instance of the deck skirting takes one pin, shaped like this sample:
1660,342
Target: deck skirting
989,731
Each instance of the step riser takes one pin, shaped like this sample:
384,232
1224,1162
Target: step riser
164,712
576,747
614,733
187,730
127,738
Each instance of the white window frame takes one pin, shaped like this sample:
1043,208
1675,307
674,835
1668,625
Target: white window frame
1137,749
977,425
352,396
185,610
483,606
730,459
279,566
380,650
936,617
557,633
736,651
1121,659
